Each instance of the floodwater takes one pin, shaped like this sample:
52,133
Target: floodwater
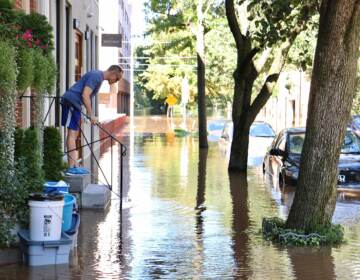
184,217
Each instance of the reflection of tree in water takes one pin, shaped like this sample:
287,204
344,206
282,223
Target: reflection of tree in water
312,263
200,207
239,194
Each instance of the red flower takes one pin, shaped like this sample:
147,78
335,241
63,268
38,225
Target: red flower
37,42
29,44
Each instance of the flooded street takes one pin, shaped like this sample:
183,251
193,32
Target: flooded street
185,218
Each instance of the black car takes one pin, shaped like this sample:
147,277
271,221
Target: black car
283,159
354,125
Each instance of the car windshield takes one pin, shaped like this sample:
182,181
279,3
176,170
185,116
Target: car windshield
351,144
261,130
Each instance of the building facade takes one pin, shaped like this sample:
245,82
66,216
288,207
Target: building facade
115,18
76,39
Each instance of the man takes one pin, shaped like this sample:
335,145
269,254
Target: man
80,94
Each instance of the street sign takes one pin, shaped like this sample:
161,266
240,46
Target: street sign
111,40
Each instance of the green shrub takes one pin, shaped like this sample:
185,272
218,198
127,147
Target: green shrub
53,162
32,160
19,144
40,80
51,74
25,65
274,229
41,29
7,103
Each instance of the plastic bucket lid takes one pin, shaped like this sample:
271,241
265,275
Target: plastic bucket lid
46,196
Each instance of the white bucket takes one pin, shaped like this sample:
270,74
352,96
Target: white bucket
45,220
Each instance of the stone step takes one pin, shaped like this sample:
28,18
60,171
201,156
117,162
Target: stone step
95,196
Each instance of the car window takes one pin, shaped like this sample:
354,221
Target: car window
356,123
281,144
351,144
296,142
261,130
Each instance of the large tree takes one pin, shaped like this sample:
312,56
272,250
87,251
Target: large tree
179,30
262,44
332,87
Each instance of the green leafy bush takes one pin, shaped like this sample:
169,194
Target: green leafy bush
32,160
41,31
40,72
51,74
274,229
53,162
25,65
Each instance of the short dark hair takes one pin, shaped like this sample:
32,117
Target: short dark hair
115,68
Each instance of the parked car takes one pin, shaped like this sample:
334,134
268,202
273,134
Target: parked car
283,159
354,125
260,137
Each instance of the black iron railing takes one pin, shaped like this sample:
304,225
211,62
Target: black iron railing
89,144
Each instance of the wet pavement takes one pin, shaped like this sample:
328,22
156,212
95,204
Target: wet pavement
184,217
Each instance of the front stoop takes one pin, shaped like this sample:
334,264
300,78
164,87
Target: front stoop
95,197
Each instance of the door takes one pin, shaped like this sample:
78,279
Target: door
78,72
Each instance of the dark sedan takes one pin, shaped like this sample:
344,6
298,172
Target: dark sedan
283,159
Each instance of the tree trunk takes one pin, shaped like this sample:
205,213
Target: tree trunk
332,88
200,48
239,147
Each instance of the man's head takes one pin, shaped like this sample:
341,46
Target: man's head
115,73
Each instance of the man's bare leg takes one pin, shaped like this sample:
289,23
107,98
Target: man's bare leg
71,146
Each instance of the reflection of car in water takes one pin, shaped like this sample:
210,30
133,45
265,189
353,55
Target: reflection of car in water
215,128
260,137
283,159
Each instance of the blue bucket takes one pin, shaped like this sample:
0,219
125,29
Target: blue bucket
56,187
69,201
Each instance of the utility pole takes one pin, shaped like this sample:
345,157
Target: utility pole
200,49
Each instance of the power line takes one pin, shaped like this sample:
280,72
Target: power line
159,57
158,65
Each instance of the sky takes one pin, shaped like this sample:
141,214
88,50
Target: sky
138,17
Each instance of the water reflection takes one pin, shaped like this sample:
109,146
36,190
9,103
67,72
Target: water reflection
240,224
304,258
185,217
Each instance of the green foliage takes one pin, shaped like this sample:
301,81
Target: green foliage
172,56
274,229
32,160
51,74
25,65
53,163
41,31
40,81
274,21
7,68
19,143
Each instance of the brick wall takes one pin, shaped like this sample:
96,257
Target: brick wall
33,4
19,113
18,4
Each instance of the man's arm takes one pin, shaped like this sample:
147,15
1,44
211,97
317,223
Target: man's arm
87,102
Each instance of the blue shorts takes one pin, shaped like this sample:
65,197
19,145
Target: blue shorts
70,117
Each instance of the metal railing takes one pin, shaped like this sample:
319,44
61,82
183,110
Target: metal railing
89,144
